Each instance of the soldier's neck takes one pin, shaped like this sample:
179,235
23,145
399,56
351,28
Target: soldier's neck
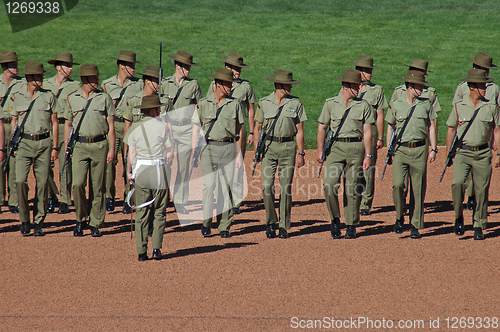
410,96
347,97
7,75
60,79
179,78
32,89
279,94
475,98
122,78
88,90
219,96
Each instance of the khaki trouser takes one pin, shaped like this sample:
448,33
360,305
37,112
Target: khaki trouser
368,180
239,173
154,213
279,156
477,164
8,177
111,167
36,153
65,181
90,157
345,159
216,163
182,140
410,162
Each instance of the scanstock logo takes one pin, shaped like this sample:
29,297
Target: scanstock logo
28,14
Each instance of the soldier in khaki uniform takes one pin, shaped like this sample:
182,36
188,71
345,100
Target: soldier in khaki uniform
243,92
374,95
184,93
35,148
148,150
350,152
280,152
412,149
61,86
94,147
474,154
117,86
217,157
485,62
10,83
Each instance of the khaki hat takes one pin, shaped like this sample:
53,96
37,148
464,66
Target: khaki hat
183,57
33,68
283,77
153,71
364,61
148,102
63,57
127,56
223,74
234,59
89,69
484,60
419,64
477,76
350,76
8,56
415,76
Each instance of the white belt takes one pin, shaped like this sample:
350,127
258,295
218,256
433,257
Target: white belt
146,162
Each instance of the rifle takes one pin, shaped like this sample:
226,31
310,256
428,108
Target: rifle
15,139
326,149
391,149
260,149
161,71
73,135
451,155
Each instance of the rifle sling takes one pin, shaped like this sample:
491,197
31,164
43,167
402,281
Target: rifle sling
4,100
122,93
271,129
468,126
28,111
177,95
344,117
400,135
77,130
213,122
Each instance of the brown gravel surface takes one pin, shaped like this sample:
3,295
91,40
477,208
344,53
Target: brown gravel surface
251,283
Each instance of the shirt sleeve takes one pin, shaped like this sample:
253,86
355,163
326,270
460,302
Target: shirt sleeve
390,118
259,113
301,112
110,107
453,117
324,117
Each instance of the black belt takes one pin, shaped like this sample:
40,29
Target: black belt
413,144
181,122
349,139
7,120
119,119
95,139
474,148
36,137
61,120
222,142
280,139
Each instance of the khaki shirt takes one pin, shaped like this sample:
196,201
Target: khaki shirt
114,88
417,128
492,92
292,114
134,114
360,113
157,138
67,87
17,84
189,95
39,120
241,90
225,125
95,121
428,92
481,129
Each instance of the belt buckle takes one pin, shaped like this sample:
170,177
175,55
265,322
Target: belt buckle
35,137
220,143
90,140
279,139
348,140
412,144
474,148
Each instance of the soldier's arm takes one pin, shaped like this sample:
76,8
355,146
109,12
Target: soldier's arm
251,123
300,160
433,140
67,129
452,131
496,137
380,128
367,140
111,138
320,139
2,140
55,137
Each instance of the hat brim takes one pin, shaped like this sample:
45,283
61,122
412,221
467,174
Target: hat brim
189,64
241,65
423,83
357,65
342,80
126,60
80,75
11,61
146,74
473,60
221,79
426,70
282,82
488,80
53,62
145,108
25,74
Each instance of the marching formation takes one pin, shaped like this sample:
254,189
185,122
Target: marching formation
153,120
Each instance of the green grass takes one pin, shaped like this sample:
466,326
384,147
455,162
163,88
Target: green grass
314,39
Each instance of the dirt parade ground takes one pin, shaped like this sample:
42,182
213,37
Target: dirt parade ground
378,281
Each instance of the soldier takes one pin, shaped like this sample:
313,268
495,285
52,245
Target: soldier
35,110
281,115
351,119
117,86
485,62
243,92
10,83
184,93
92,111
374,95
412,118
131,114
221,118
148,151
61,86
473,119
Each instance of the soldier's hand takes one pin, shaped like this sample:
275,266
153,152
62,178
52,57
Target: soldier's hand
300,161
170,156
250,140
380,144
54,155
2,156
497,162
320,154
111,156
432,157
131,181
366,163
